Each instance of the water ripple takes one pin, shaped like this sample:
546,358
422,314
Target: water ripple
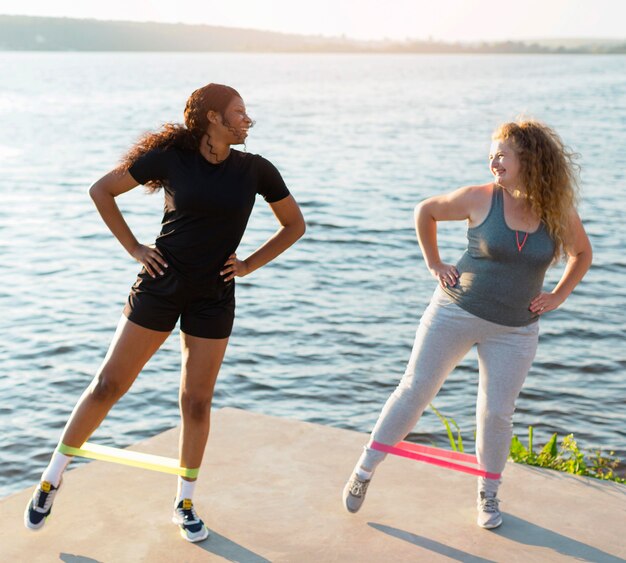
324,333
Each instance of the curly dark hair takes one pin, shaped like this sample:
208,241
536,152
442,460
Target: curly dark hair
212,97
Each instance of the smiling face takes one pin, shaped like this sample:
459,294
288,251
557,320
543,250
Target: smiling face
505,164
233,128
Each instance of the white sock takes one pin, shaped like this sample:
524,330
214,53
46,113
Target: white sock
185,489
55,468
368,462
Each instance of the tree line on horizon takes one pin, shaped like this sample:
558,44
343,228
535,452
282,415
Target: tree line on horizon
29,33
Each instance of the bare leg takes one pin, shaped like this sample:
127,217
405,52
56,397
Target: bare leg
131,348
201,362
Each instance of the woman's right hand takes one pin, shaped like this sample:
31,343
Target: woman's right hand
446,274
151,259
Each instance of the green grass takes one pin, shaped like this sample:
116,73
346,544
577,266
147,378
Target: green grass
456,445
566,456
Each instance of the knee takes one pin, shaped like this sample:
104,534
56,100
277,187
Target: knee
500,418
195,407
105,389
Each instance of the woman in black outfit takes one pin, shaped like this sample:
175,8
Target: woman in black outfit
188,273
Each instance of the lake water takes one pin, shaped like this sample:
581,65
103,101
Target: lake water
324,332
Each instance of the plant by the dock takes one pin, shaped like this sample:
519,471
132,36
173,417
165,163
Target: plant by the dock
456,445
565,457
568,458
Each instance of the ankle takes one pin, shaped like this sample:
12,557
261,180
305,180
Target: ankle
488,486
184,490
53,473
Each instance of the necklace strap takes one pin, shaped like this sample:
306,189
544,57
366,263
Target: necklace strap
520,245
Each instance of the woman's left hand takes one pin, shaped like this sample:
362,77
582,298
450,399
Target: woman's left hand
234,268
545,302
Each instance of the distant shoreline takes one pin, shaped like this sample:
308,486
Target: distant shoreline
360,53
41,34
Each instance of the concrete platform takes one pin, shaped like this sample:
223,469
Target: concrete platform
270,490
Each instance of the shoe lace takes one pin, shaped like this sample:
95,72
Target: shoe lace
358,488
44,499
188,512
489,504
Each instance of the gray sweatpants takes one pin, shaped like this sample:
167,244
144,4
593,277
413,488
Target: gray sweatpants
445,334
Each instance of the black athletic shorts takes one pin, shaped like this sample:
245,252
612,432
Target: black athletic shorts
206,310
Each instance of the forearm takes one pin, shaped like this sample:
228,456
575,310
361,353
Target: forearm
576,268
426,231
281,241
112,217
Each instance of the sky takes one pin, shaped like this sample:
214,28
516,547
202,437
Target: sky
448,20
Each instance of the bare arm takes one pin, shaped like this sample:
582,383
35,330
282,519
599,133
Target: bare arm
579,254
103,192
459,205
291,228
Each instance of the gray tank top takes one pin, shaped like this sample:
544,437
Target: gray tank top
497,281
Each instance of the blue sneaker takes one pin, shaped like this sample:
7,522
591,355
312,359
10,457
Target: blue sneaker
40,505
191,527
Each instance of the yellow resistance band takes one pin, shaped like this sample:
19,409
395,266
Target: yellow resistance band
128,457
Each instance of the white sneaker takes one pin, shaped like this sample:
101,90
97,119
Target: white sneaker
488,511
354,493
191,527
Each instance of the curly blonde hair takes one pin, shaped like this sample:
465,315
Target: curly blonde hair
549,173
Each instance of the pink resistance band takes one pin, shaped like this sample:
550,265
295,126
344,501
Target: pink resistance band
429,455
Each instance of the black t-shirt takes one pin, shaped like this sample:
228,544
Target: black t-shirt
207,206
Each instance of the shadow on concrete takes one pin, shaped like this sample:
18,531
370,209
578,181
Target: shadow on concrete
524,532
70,558
229,550
431,545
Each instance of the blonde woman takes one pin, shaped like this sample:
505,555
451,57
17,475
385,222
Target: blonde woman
518,225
